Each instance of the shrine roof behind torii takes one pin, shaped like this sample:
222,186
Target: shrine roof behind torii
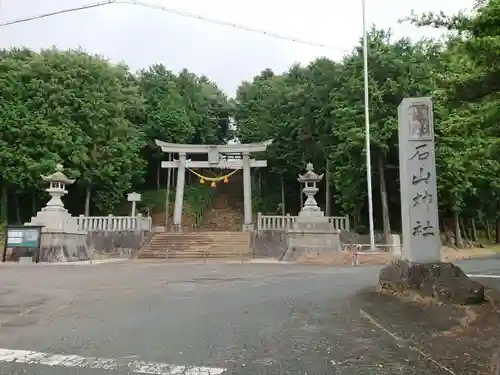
205,149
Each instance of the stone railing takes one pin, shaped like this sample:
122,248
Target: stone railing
284,223
113,223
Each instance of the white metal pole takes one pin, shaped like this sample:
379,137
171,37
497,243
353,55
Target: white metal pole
167,199
367,130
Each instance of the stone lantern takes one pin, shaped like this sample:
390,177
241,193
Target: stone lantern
312,234
54,217
311,216
57,188
61,239
310,179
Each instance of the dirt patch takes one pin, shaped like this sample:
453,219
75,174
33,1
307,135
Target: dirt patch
463,339
345,258
449,254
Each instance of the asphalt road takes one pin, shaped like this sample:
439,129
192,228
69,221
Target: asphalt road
137,317
486,271
481,266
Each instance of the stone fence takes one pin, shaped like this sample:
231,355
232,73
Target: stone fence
112,223
287,222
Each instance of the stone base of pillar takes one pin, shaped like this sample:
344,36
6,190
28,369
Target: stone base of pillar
177,227
248,228
442,281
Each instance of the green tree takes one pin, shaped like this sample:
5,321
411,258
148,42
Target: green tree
317,113
165,116
29,142
208,109
471,88
73,108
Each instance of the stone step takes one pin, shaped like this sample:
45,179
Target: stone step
242,234
207,253
201,240
222,235
228,249
202,237
204,242
223,214
198,250
223,220
197,245
189,253
193,255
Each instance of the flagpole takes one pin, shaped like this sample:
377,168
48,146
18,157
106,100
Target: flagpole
367,129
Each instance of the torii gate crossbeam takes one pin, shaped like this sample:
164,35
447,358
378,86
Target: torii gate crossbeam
214,161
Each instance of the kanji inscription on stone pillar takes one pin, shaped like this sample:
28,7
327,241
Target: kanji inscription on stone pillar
417,166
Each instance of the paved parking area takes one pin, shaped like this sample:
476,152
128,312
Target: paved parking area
214,318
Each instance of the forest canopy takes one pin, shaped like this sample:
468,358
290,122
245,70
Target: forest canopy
100,120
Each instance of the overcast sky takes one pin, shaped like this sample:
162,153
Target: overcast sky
140,36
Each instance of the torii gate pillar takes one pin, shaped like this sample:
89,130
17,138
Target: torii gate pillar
214,161
247,193
179,190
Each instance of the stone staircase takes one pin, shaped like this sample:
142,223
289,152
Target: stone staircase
198,245
219,235
223,216
226,213
188,222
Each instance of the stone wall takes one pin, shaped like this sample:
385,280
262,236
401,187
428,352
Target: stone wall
64,247
394,244
117,244
281,244
312,244
361,239
71,247
269,244
275,243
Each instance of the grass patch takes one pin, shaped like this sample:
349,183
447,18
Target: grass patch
196,197
493,247
489,244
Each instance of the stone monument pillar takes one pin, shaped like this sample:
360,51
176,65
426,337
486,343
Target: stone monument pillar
418,184
421,270
61,241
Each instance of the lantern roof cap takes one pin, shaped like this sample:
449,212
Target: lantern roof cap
310,175
58,176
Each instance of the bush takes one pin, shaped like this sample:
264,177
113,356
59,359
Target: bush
153,201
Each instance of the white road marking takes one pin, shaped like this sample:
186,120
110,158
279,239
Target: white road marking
484,276
136,366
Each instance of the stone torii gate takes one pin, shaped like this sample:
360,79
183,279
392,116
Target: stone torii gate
214,161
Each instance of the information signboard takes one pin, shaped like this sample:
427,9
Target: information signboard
22,237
